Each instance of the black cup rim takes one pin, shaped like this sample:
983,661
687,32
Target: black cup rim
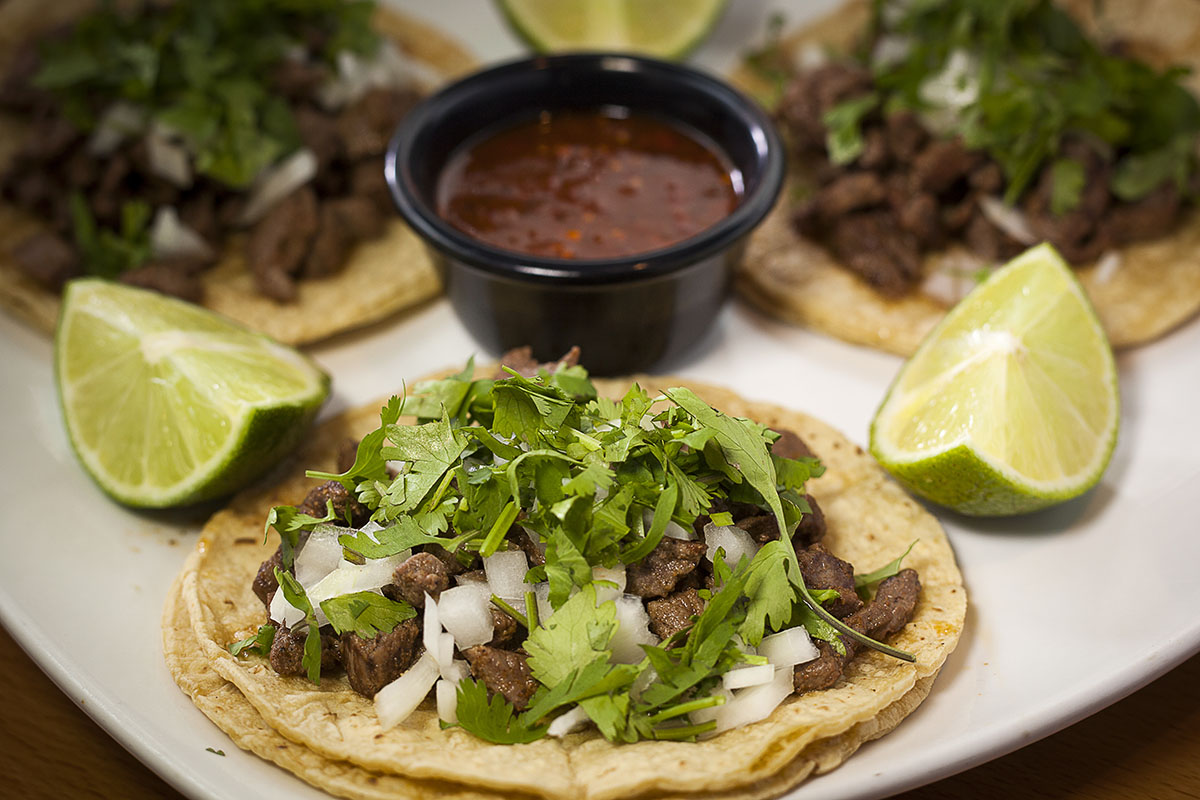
755,204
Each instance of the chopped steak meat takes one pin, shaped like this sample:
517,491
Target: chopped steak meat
504,672
287,651
671,614
372,664
423,573
178,278
883,254
893,606
506,633
657,574
279,243
48,259
823,570
345,508
789,445
366,125
812,525
265,584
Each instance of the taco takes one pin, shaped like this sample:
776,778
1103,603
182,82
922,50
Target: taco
902,196
335,737
280,219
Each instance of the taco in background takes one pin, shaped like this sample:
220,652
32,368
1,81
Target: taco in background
245,175
332,735
925,154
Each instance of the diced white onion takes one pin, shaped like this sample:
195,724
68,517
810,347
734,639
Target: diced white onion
1007,218
388,69
673,529
398,699
613,575
505,572
119,121
447,701
633,629
1107,266
431,630
737,543
642,682
788,648
277,182
350,578
755,703
168,156
950,91
465,611
284,612
566,723
445,651
320,554
890,49
455,671
754,675
710,713
170,238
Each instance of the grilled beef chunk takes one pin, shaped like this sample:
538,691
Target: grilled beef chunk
671,614
372,664
279,243
893,606
366,125
345,507
657,574
177,278
521,360
287,651
422,574
883,254
48,259
329,246
506,633
503,672
789,445
265,585
850,192
812,526
823,570
762,527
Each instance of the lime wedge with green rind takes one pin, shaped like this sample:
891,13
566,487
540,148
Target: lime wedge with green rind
168,404
1011,403
662,28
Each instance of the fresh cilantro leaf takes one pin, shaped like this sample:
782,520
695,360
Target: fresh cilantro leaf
214,752
494,721
577,635
294,593
366,613
289,522
864,584
768,585
108,253
259,644
844,139
1067,181
722,519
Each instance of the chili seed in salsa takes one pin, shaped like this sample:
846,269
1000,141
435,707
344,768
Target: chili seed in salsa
586,185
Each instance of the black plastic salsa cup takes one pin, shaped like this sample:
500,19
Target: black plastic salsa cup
627,313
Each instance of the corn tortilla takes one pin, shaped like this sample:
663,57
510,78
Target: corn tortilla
870,521
1155,289
381,276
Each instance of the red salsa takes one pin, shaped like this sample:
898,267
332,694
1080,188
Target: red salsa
583,184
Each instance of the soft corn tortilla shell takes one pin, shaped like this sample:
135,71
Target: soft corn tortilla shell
870,521
380,277
1156,288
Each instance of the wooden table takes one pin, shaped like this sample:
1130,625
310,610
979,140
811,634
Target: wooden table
1146,747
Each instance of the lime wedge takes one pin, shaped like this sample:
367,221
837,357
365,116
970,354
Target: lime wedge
662,28
1011,403
167,404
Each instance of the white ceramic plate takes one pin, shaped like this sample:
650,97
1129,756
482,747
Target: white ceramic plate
1071,608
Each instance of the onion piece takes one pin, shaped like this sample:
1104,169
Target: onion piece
673,529
505,572
455,671
754,675
447,701
566,723
737,543
949,92
614,575
388,69
755,703
277,182
1009,219
633,629
431,630
119,121
320,554
168,156
350,578
1107,266
171,239
394,702
466,612
788,648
